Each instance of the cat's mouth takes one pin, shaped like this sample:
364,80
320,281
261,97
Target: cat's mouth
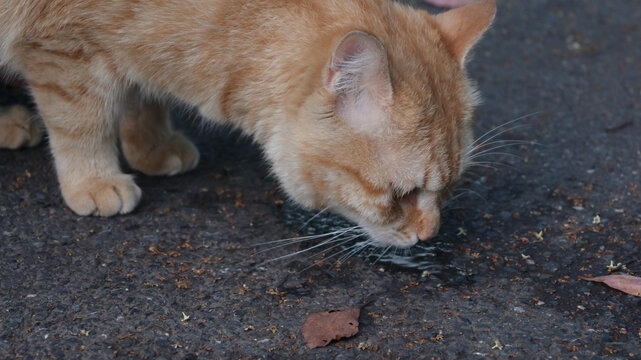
434,257
386,237
416,225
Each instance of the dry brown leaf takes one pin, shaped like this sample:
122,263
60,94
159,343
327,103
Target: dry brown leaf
322,327
626,283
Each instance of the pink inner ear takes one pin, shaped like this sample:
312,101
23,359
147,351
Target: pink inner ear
358,75
350,47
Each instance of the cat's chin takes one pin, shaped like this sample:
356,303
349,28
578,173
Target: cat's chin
385,238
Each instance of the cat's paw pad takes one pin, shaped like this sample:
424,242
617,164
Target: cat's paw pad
174,156
104,196
18,128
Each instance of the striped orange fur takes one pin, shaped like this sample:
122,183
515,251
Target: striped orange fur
362,106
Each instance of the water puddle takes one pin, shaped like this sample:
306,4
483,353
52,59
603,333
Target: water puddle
435,258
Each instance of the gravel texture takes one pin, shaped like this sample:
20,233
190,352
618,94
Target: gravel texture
181,277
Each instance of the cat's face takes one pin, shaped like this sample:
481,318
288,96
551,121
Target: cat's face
386,138
393,184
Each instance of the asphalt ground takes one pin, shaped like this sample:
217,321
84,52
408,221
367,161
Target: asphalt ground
182,277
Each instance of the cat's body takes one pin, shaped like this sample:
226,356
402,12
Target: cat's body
360,106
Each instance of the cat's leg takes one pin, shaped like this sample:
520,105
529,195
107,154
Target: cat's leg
18,128
82,127
149,143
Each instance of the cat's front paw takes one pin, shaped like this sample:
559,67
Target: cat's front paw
174,155
103,196
18,128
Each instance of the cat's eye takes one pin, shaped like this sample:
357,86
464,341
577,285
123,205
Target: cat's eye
400,193
411,195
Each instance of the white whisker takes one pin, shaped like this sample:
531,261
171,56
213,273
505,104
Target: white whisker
482,165
312,218
470,191
348,250
456,197
500,127
358,248
472,156
329,257
509,141
496,153
487,141
343,241
322,243
490,164
382,254
374,240
309,237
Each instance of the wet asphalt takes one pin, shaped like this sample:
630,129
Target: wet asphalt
183,277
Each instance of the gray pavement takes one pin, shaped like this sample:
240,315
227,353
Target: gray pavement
91,288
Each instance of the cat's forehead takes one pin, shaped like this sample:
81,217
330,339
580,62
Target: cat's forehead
427,155
403,162
429,100
404,168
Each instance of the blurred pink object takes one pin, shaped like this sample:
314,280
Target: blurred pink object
449,3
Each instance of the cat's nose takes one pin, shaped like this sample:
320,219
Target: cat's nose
428,225
428,235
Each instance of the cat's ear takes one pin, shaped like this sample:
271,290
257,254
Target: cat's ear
358,75
463,27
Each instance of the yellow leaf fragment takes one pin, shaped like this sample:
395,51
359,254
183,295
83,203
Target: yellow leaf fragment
186,317
497,345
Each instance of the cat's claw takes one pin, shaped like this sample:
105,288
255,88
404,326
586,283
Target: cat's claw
105,196
18,129
176,155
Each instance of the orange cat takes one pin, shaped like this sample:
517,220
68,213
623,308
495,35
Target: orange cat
361,106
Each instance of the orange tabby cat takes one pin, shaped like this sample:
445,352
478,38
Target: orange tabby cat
361,106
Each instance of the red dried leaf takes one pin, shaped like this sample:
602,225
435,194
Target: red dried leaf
322,327
626,283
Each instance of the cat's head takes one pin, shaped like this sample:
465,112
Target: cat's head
386,137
